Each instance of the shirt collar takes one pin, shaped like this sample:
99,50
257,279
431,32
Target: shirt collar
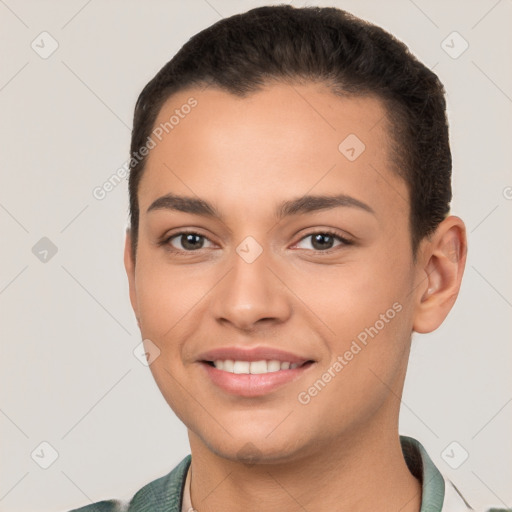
438,494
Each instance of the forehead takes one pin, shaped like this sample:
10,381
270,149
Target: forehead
284,139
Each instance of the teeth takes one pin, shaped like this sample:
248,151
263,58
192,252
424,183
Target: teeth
253,367
258,367
227,365
273,366
241,367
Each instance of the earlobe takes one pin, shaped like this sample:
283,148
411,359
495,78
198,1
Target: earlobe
445,256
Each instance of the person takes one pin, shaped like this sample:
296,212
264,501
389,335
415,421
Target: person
290,228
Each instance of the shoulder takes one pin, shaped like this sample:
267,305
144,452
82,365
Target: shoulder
161,495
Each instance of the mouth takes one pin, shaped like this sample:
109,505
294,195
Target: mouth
252,371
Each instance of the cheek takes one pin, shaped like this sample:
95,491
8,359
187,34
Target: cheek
165,298
366,306
165,295
348,298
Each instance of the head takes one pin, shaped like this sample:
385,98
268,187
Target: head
243,140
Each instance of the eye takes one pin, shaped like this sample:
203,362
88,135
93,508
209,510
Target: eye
186,241
323,241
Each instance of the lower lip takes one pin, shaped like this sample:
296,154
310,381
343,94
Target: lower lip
249,385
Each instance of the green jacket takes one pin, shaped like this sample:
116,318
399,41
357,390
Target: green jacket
165,494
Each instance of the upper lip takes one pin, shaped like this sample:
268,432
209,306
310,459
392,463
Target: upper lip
252,354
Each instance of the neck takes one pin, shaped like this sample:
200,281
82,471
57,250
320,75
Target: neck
367,473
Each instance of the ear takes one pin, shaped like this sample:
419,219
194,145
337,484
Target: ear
129,265
443,258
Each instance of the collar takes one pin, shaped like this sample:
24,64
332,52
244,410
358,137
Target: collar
438,494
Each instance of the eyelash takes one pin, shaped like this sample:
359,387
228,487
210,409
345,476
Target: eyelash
344,241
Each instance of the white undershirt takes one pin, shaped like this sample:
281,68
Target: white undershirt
187,503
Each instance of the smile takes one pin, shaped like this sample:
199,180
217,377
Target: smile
253,378
252,371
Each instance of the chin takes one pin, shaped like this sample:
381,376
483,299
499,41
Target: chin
253,447
251,454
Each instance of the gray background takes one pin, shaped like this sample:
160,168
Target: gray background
68,373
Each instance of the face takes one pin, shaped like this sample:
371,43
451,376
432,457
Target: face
313,296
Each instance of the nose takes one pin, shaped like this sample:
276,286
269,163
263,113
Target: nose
252,295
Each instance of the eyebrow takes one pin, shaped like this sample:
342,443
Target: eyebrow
301,205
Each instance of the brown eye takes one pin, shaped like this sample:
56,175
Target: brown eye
324,240
187,241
